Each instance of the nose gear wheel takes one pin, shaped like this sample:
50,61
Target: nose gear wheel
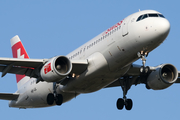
144,69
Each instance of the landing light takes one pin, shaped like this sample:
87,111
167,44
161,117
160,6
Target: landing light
73,75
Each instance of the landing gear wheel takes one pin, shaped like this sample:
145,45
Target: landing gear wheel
144,70
59,99
147,86
50,99
128,104
147,69
120,104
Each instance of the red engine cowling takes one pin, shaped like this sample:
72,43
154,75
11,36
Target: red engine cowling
56,69
164,76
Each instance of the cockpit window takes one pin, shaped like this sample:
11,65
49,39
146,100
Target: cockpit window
149,15
144,16
160,15
139,18
153,15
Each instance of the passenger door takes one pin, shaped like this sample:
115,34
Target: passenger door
125,31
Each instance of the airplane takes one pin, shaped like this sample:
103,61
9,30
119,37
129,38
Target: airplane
105,61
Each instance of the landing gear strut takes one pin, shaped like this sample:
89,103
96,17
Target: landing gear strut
54,97
144,69
121,102
126,83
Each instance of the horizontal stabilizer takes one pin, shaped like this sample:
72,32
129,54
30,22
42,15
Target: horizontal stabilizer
8,96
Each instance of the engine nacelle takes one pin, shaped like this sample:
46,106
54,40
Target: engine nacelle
56,69
164,76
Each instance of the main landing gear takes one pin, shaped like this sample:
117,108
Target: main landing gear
121,102
126,83
54,97
51,98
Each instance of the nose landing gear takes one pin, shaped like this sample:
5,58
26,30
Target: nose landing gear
144,69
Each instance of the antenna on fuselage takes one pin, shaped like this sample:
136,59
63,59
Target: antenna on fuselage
139,10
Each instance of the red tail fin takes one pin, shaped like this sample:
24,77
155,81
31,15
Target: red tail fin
19,51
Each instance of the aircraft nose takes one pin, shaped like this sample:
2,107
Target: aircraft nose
163,27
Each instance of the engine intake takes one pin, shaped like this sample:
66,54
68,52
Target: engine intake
163,76
56,69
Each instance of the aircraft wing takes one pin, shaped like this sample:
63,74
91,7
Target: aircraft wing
30,66
178,80
135,77
8,96
19,66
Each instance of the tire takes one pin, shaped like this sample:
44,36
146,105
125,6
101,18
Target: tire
120,104
147,86
142,70
59,99
50,99
128,104
147,69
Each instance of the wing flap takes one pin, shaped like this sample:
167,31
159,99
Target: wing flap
8,96
18,70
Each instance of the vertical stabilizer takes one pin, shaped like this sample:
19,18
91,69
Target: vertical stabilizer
19,51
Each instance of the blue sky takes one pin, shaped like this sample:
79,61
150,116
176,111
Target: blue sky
49,28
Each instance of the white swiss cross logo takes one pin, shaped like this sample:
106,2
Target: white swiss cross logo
19,54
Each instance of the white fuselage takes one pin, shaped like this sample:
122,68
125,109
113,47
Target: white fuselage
109,55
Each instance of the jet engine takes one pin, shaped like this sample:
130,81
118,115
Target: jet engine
56,69
162,77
